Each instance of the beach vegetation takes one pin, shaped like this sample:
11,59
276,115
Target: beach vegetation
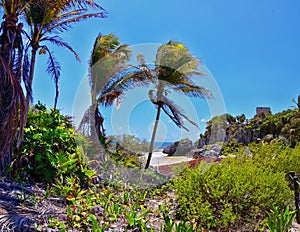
239,191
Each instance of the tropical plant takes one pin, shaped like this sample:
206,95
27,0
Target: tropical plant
43,21
45,18
108,58
280,220
12,106
173,70
49,151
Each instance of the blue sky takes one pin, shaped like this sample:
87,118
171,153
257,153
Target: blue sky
251,49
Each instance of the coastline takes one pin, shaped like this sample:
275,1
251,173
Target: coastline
159,158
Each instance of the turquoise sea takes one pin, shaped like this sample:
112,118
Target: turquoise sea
162,145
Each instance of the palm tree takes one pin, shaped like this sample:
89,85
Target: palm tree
45,19
12,99
12,108
108,58
173,70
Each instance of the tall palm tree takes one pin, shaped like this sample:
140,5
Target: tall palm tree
173,70
12,108
45,19
12,99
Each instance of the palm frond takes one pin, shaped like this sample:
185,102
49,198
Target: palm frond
66,24
102,72
53,69
190,89
84,3
103,46
60,17
175,113
59,42
117,86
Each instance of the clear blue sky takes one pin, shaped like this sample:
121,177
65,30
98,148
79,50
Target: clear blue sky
251,48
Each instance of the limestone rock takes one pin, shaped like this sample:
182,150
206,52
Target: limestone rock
210,151
181,147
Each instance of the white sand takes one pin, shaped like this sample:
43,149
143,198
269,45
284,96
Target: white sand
159,158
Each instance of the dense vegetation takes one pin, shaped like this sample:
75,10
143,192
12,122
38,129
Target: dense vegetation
234,131
49,151
101,188
240,192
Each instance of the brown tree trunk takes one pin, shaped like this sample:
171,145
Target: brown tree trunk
30,79
153,137
11,93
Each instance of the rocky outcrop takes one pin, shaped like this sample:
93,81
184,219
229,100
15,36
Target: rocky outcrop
181,147
242,135
210,151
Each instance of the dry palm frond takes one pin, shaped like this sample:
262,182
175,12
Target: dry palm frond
53,69
175,113
59,42
12,112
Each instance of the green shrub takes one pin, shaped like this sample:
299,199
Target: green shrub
277,157
49,149
239,191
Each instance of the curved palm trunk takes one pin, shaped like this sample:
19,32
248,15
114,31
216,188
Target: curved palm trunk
153,136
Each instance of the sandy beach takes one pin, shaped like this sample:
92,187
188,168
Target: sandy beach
159,158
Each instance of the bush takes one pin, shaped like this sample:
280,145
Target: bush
127,149
238,192
49,149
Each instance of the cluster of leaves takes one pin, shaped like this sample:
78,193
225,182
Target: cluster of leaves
49,151
286,123
239,191
280,219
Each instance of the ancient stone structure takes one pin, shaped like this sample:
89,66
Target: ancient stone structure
263,110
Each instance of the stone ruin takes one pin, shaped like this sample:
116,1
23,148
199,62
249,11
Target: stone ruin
263,111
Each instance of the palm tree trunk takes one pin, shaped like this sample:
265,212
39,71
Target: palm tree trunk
8,92
153,136
30,79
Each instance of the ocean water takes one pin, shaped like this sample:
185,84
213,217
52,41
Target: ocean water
162,145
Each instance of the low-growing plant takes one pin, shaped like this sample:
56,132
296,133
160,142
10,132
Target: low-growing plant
184,226
280,220
169,223
136,219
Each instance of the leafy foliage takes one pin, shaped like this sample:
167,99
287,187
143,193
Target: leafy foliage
49,150
239,131
280,220
240,190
